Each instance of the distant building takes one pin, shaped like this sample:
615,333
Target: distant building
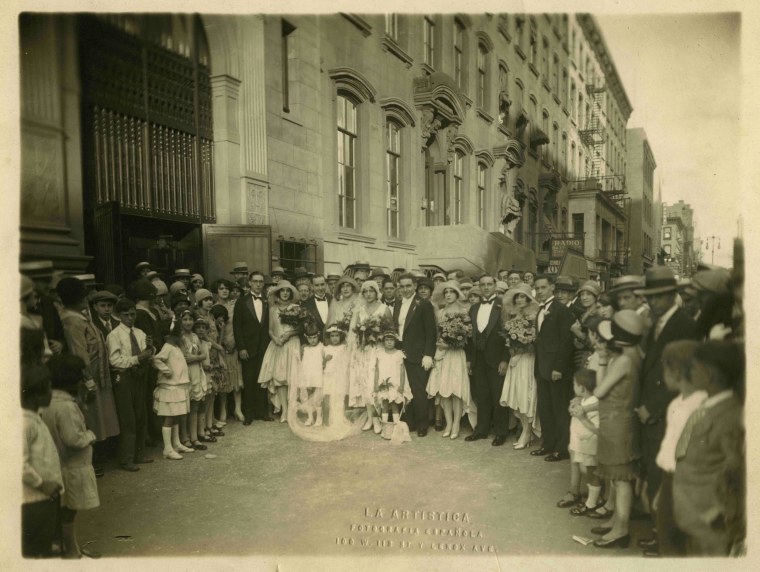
640,184
678,238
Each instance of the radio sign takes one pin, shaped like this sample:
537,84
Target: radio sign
561,245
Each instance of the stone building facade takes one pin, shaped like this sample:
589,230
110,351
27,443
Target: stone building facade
640,171
678,238
462,141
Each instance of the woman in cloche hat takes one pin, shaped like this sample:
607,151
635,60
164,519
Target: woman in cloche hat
280,362
449,382
342,306
617,391
519,311
588,294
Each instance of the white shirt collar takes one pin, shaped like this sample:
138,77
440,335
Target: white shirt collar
549,301
717,398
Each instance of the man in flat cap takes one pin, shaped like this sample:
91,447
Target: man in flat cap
103,302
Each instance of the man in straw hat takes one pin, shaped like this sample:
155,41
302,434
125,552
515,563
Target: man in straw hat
251,330
239,270
278,273
670,323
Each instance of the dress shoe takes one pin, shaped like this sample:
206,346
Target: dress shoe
439,425
540,452
620,542
554,457
499,440
422,432
646,543
651,553
247,421
199,446
182,449
143,461
475,436
173,455
130,467
601,529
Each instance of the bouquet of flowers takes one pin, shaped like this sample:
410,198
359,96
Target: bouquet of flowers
345,322
369,331
293,315
454,329
521,333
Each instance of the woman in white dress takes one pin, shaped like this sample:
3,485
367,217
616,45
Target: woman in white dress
281,359
342,306
449,382
369,319
519,393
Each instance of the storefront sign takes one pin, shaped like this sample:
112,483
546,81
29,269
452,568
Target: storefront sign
561,245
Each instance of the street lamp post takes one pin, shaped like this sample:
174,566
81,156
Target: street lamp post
710,245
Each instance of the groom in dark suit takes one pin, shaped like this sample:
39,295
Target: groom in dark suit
554,371
414,319
489,357
319,303
251,331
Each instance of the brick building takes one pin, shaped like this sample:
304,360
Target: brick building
464,141
640,170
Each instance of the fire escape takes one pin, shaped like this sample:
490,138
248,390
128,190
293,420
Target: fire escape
594,136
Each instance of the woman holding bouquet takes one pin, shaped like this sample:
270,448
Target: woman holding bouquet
370,317
342,306
282,356
449,381
519,311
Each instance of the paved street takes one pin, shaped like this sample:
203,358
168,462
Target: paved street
269,493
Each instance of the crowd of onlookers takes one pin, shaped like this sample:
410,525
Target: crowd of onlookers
639,385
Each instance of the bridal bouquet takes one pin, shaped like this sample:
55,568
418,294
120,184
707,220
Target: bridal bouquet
293,315
454,329
345,322
521,333
369,331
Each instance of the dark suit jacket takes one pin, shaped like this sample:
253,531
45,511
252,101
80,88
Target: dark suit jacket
708,480
103,330
311,306
148,322
250,334
654,395
420,330
554,343
491,343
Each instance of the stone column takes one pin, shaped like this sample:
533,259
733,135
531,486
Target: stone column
225,93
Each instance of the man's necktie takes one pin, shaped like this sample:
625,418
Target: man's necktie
683,440
320,299
488,301
133,341
108,326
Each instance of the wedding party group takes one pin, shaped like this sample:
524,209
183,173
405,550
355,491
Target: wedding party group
639,386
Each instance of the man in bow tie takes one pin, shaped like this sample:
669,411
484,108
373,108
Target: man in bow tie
389,293
489,357
554,371
319,303
251,331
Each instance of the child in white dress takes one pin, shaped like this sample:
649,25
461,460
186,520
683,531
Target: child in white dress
171,398
391,389
310,380
584,428
335,376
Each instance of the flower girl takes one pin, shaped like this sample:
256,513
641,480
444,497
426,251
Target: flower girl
310,380
335,376
390,388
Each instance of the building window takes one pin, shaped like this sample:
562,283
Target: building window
454,210
581,174
545,128
428,40
573,102
391,26
563,221
555,76
555,146
572,160
287,55
545,60
482,195
458,53
392,176
533,220
533,49
482,76
347,138
563,156
298,254
666,233
578,230
563,89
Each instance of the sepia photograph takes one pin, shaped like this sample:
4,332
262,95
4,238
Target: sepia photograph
357,286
